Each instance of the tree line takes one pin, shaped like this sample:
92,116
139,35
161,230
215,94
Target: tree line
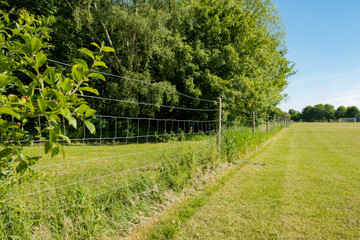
207,49
324,112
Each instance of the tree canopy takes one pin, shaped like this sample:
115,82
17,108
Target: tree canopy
232,49
325,112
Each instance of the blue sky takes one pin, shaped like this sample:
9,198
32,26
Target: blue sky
323,39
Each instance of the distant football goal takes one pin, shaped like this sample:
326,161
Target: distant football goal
347,119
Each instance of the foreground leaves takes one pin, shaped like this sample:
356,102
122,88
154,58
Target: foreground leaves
35,105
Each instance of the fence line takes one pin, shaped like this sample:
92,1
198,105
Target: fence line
125,152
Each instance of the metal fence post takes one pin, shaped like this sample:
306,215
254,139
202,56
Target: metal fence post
219,126
267,122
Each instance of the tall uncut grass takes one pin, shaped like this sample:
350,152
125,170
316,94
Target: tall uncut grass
238,141
110,207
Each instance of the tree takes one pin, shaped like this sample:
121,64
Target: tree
294,115
352,112
319,112
329,112
286,115
340,112
237,50
203,48
276,113
308,114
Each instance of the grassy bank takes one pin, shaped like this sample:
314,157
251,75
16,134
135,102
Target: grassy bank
102,190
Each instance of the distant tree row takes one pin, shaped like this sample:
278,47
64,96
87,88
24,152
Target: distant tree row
323,112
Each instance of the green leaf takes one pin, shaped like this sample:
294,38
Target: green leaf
4,81
40,59
65,138
95,44
5,125
81,109
52,137
100,64
66,85
30,106
87,52
60,98
53,118
55,151
35,44
32,160
90,112
31,89
21,156
5,3
47,147
42,105
20,86
96,75
77,72
67,114
21,167
108,49
82,63
52,105
50,74
89,89
4,66
62,150
9,111
90,126
6,152
31,75
17,136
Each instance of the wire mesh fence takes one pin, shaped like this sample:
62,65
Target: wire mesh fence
124,161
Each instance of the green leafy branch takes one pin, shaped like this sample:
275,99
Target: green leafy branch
30,91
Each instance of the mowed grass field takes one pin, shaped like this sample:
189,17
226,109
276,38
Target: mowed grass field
306,187
98,166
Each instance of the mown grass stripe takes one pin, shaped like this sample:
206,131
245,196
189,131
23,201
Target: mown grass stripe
308,190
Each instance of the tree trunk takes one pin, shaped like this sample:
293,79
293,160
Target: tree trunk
118,69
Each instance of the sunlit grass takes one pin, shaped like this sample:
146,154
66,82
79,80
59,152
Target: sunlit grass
101,189
308,189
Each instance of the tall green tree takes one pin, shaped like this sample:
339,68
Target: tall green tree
319,112
352,112
232,49
340,112
329,112
295,115
237,50
308,114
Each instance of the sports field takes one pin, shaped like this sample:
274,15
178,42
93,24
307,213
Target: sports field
304,184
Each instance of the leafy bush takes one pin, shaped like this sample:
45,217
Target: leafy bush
33,92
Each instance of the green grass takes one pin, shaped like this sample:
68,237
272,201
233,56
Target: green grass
308,189
103,190
236,143
100,190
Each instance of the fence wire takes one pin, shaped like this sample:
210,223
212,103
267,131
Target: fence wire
126,154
